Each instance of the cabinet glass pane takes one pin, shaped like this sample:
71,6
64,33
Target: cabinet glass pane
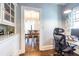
12,13
8,3
7,8
7,17
12,6
12,19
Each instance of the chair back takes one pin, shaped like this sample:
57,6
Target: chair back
59,38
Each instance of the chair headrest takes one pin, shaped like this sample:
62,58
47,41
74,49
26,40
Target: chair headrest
58,30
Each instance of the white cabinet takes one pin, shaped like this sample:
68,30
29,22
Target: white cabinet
9,46
7,14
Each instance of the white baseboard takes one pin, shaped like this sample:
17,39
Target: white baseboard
21,52
47,47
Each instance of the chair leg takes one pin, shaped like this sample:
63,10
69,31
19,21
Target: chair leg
27,41
58,53
33,43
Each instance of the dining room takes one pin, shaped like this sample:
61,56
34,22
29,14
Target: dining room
31,28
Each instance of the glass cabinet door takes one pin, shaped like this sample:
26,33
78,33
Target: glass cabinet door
9,12
6,11
7,17
12,13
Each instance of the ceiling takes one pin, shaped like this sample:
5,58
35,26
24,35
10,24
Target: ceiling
39,5
62,4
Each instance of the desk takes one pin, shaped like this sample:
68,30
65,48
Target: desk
75,43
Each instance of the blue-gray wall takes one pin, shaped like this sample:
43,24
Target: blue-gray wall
50,18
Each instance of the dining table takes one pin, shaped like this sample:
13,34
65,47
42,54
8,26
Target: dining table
33,35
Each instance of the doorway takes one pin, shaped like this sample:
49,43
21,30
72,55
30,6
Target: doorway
30,29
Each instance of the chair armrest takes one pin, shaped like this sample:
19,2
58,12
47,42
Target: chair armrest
67,44
73,46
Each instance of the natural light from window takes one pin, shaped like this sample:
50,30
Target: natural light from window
31,17
75,18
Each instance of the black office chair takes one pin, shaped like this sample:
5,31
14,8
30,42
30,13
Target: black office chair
61,46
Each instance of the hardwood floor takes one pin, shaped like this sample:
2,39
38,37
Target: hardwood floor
34,51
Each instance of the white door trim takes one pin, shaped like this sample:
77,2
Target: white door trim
22,28
22,31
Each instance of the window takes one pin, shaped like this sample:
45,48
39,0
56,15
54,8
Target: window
31,17
31,14
75,18
28,25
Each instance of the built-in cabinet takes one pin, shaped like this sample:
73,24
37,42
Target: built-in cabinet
7,14
9,45
9,41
